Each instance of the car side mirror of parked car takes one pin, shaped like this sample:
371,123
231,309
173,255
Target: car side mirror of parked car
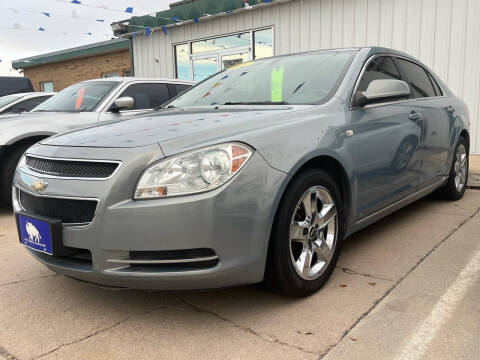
122,103
383,90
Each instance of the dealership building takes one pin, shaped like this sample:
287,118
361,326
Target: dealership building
196,38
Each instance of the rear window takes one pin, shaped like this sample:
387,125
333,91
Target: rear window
418,79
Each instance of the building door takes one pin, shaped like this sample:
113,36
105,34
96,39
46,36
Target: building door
208,63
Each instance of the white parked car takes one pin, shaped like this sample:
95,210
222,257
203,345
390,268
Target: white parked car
80,105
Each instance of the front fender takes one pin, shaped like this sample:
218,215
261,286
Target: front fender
23,136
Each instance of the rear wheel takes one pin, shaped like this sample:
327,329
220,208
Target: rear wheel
8,171
458,177
306,235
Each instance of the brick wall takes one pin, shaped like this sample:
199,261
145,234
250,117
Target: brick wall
68,72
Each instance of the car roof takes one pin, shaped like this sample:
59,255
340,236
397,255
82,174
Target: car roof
127,79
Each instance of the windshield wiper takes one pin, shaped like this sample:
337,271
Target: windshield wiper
257,103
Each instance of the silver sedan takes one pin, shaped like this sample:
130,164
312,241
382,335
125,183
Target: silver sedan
256,174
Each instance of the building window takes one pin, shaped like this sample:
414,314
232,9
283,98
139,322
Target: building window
221,43
46,86
182,60
111,75
197,60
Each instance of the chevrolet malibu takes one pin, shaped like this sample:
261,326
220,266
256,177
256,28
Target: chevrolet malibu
256,174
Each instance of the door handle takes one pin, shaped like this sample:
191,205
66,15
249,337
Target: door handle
414,116
451,109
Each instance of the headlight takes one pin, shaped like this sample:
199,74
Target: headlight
197,171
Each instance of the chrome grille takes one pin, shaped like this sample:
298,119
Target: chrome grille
72,168
69,211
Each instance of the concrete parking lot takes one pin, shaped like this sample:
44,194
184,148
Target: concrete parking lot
405,288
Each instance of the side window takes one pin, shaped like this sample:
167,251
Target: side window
27,105
379,68
176,89
418,79
147,96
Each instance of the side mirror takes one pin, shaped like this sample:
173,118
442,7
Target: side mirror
122,103
383,90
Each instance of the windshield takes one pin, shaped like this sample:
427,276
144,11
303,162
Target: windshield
78,97
5,100
296,79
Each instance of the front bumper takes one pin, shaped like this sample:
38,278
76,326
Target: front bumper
227,228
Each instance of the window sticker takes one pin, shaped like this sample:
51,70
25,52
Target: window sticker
276,84
80,95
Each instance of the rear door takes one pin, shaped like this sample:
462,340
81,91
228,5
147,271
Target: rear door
146,96
385,145
435,118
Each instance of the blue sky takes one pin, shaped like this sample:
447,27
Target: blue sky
73,20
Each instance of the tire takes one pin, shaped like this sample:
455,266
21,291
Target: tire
458,176
8,171
284,271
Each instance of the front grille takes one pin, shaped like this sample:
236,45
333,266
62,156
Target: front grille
69,168
67,210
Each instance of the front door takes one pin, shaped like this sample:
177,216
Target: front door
385,145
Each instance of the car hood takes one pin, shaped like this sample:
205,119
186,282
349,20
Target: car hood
189,126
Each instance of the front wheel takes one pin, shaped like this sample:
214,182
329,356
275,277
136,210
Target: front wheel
306,235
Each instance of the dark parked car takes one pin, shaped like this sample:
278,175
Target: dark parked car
257,173
22,102
14,85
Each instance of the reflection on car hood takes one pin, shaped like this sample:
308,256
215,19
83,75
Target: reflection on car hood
198,125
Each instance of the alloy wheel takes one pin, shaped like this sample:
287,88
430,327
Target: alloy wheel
313,233
460,168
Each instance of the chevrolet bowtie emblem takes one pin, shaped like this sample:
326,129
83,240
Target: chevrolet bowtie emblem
39,186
